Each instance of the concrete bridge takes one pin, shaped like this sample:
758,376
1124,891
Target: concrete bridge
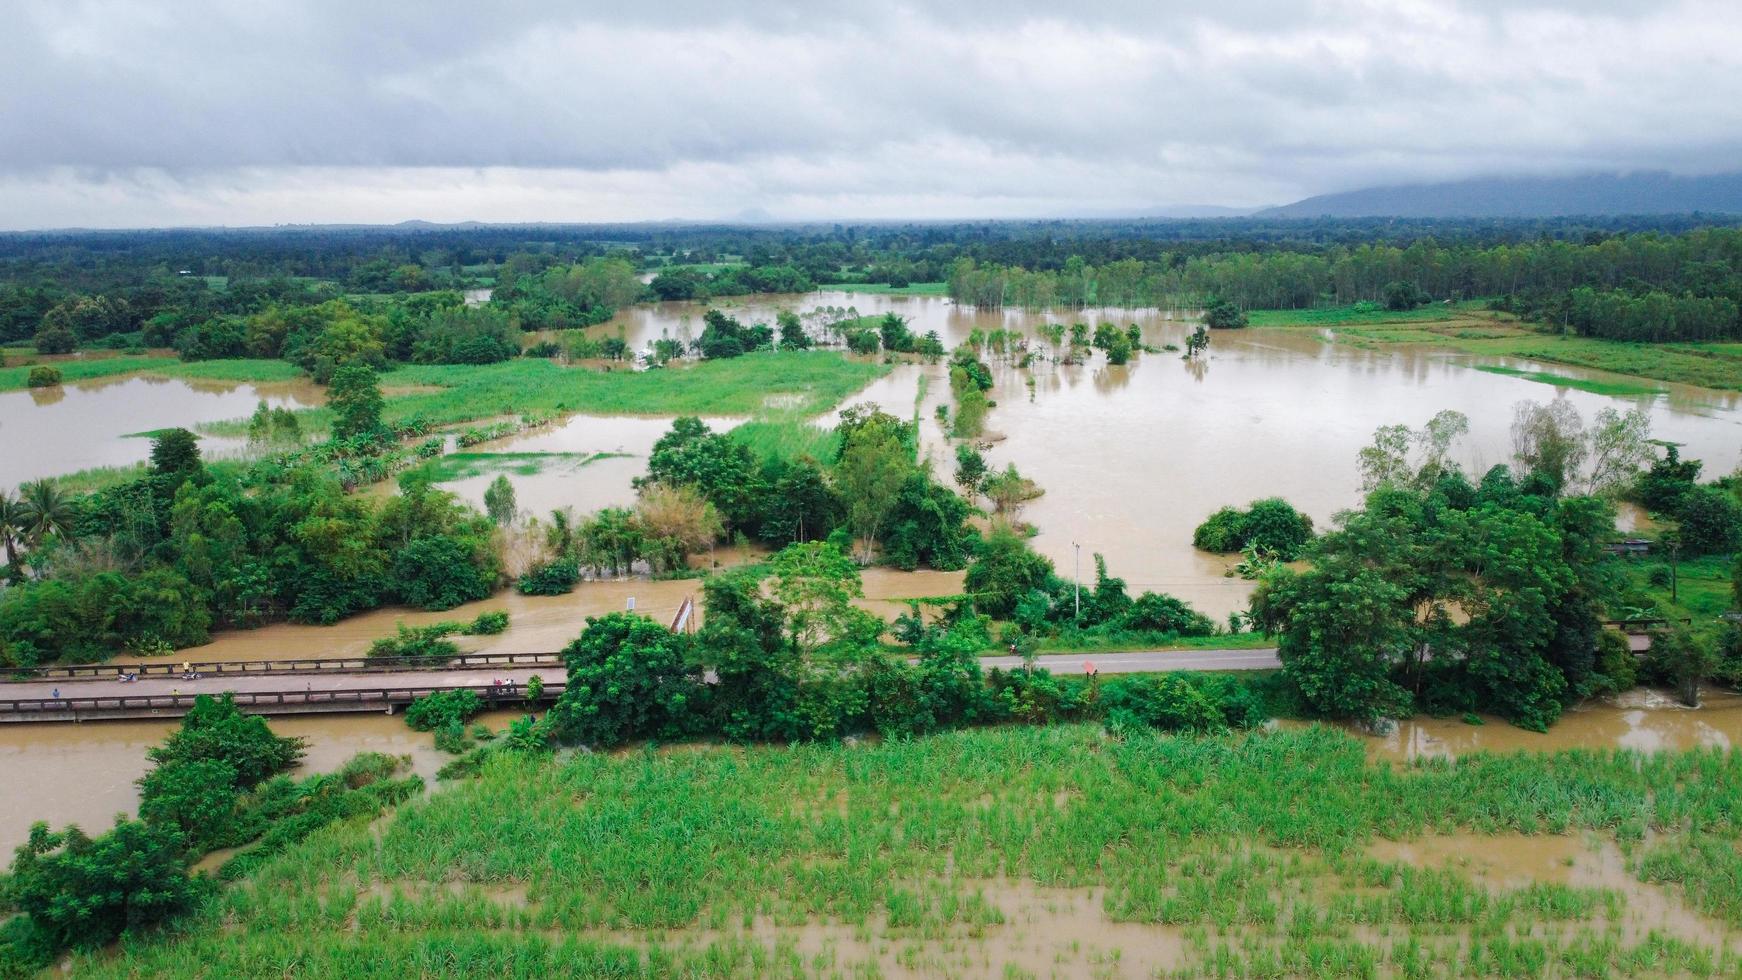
263,694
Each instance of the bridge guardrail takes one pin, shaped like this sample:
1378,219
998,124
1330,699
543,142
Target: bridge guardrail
291,665
97,705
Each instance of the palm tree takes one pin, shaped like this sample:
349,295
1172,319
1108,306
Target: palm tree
11,526
46,510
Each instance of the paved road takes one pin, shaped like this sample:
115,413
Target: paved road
1072,663
1147,661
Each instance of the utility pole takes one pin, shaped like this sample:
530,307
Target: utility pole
1675,550
1077,582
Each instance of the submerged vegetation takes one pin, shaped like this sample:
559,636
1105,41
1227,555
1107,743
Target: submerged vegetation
216,782
1245,854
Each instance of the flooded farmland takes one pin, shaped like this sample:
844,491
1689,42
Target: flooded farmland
1642,719
84,773
102,422
1134,457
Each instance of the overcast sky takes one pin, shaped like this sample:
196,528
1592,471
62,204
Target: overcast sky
201,112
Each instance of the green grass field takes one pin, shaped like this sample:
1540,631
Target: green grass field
884,289
804,382
787,436
1367,313
1011,852
14,377
1702,586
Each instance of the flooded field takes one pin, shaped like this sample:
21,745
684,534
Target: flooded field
587,462
1642,719
1134,457
84,773
85,424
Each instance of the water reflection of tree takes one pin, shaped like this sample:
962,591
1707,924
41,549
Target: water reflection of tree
47,396
1197,367
1113,377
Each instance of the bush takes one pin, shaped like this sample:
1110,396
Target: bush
1034,696
443,709
214,729
628,678
1004,571
1161,613
1404,295
488,623
1221,532
863,342
43,376
1711,521
440,572
197,798
557,577
418,641
1223,315
1270,525
1180,703
85,892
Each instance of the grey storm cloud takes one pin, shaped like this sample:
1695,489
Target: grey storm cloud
220,111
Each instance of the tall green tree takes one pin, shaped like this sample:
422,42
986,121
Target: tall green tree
628,678
83,892
46,510
499,501
354,396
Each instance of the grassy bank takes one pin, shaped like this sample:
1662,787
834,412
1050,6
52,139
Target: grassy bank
1471,328
15,377
1007,852
1702,585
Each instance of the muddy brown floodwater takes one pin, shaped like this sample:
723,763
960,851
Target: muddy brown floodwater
85,424
83,774
1134,457
579,480
1644,719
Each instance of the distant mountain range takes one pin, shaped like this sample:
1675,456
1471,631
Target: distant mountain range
1528,197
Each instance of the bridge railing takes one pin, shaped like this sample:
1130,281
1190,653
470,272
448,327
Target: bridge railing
293,665
50,708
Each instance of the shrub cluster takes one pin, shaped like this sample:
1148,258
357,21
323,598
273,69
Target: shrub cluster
1270,526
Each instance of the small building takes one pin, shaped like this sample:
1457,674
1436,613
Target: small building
1629,546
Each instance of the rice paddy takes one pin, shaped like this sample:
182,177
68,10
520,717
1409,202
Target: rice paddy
1005,852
